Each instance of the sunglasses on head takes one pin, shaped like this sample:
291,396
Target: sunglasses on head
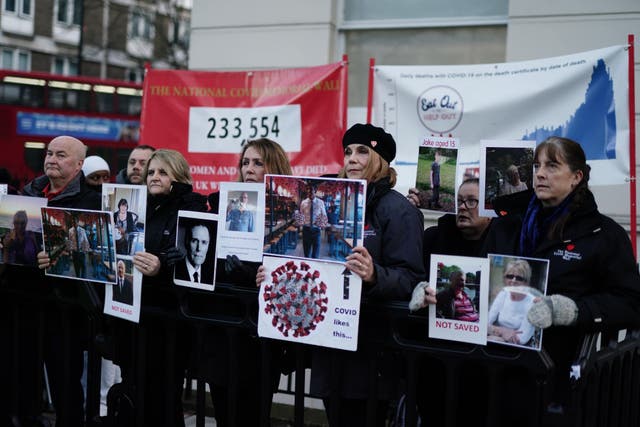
514,277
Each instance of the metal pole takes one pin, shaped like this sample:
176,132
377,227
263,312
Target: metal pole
81,40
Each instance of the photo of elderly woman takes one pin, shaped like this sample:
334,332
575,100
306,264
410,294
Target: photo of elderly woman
516,283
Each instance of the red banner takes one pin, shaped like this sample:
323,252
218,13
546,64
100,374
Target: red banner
207,116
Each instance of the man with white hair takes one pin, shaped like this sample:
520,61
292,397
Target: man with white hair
63,184
123,289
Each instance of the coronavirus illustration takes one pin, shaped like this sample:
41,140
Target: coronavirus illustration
296,298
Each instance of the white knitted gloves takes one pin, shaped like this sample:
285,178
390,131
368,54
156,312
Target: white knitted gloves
418,297
553,310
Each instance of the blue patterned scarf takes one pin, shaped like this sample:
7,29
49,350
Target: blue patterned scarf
534,227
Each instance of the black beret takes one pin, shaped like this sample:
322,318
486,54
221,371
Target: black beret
373,137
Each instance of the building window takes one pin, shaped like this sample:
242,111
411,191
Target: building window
10,6
134,75
378,10
179,31
64,66
141,25
21,7
23,61
15,59
69,11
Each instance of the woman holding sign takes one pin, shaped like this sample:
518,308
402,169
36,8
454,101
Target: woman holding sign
593,282
389,262
169,190
257,158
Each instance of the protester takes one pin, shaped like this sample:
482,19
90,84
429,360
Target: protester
168,340
258,157
136,164
64,186
389,264
462,234
96,172
593,281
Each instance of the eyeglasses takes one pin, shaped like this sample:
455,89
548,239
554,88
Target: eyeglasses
514,277
469,203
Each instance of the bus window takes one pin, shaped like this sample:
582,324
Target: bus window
34,154
104,102
69,99
9,93
17,94
130,104
33,96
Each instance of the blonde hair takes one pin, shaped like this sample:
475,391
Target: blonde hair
521,266
375,169
273,157
176,163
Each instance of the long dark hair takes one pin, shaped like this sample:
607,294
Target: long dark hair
565,150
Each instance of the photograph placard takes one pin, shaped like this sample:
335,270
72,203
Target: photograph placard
128,206
80,244
242,205
462,289
122,299
310,302
436,172
20,229
313,218
506,167
196,238
515,284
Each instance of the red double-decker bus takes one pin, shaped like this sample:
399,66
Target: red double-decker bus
36,107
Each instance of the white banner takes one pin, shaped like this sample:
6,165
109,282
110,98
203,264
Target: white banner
222,130
583,96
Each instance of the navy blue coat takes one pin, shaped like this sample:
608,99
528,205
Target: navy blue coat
593,264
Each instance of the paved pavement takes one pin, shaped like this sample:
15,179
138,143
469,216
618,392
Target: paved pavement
190,421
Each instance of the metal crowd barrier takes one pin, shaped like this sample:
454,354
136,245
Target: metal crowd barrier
605,393
30,308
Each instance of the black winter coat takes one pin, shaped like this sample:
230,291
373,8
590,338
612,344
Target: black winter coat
393,236
161,229
76,195
446,239
592,264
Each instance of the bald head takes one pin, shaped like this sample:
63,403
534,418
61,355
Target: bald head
65,155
